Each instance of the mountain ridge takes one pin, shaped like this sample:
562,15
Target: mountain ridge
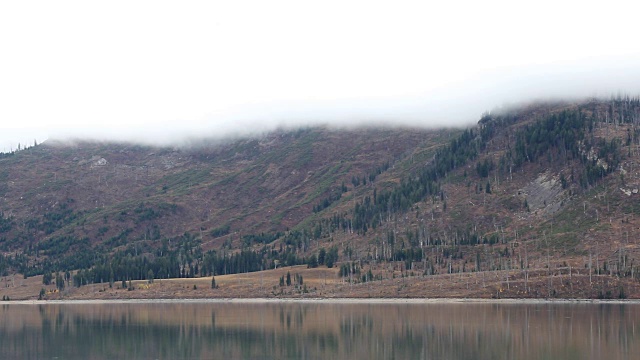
527,187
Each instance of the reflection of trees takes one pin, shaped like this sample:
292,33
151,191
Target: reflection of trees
295,330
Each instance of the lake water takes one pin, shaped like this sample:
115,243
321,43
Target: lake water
320,330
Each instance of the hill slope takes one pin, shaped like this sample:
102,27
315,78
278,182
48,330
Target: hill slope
547,189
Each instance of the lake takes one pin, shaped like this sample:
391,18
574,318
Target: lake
320,330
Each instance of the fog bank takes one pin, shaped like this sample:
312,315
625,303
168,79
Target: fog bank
158,72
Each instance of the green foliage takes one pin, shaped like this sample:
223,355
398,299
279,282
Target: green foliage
349,269
60,216
59,282
563,131
149,212
563,181
220,231
120,239
262,238
6,223
4,266
246,261
484,167
102,230
133,264
415,188
331,257
51,242
621,293
605,295
62,245
322,256
313,261
333,197
186,261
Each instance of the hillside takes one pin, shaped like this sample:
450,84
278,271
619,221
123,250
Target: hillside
64,205
544,191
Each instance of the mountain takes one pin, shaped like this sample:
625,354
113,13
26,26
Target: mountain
543,190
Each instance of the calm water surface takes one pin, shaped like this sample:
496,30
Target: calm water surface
293,330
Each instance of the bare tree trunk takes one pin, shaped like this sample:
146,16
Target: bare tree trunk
526,269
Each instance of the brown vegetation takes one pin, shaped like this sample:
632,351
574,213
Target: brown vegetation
544,228
325,283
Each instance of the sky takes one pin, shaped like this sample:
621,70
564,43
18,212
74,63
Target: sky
161,72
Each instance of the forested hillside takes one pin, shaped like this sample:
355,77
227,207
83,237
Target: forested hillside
545,189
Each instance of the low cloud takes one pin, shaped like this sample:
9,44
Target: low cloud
167,73
456,104
452,105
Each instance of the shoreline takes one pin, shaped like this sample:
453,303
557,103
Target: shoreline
398,301
322,285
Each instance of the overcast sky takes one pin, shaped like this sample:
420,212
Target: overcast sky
159,71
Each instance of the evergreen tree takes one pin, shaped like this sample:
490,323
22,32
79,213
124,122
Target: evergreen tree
321,256
313,261
331,257
47,278
59,282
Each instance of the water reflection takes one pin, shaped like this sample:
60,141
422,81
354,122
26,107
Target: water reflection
319,330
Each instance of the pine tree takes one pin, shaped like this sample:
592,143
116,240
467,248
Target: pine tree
321,256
